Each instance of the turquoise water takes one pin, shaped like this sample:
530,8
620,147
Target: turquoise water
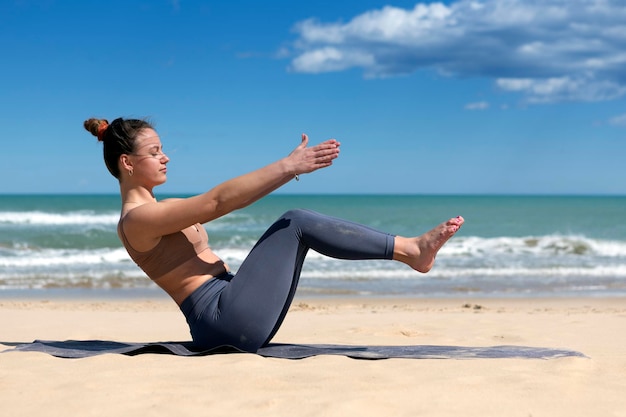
509,246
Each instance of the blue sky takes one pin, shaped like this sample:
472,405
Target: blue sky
480,96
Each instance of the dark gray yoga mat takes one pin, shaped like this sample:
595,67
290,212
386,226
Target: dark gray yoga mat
86,348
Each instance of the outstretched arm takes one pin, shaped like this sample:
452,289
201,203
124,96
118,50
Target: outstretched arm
170,216
248,188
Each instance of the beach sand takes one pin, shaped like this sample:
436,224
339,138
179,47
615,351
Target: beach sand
250,385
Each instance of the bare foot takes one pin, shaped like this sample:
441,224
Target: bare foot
419,252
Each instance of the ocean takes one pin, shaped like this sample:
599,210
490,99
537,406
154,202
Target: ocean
510,246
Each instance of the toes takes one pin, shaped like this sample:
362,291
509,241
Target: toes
456,221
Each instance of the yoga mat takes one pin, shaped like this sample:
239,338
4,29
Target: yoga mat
86,348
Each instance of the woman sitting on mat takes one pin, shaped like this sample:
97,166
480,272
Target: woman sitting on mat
166,238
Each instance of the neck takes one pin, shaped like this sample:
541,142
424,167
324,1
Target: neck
136,195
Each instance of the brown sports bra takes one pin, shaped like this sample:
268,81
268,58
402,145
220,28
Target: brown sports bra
172,250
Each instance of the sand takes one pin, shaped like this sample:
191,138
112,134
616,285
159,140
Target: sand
248,385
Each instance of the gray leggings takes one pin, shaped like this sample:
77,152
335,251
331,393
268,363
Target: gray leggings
245,310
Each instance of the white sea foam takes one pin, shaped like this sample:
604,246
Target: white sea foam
233,222
361,271
550,245
39,218
55,257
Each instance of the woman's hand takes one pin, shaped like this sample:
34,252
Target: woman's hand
305,159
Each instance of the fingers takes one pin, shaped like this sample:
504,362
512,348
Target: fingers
325,157
329,147
324,152
309,159
331,142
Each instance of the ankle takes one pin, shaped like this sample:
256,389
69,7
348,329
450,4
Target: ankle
405,249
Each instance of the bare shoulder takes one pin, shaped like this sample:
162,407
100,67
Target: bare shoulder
138,218
148,214
164,217
137,227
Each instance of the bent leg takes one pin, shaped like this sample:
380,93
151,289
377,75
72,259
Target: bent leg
255,302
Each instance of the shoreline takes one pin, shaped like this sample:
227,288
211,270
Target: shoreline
155,293
339,303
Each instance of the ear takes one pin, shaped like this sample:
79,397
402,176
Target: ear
125,162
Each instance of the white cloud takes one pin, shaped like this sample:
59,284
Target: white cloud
547,50
563,88
330,59
479,105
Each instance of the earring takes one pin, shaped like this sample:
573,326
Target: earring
130,172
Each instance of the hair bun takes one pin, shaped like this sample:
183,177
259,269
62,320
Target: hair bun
97,127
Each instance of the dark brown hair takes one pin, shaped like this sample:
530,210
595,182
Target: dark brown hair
118,138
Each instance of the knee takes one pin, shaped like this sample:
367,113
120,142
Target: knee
297,214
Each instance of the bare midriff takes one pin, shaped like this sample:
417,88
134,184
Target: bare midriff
181,281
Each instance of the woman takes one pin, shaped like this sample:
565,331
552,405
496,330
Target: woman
166,238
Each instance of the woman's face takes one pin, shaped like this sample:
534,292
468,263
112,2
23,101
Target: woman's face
148,160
